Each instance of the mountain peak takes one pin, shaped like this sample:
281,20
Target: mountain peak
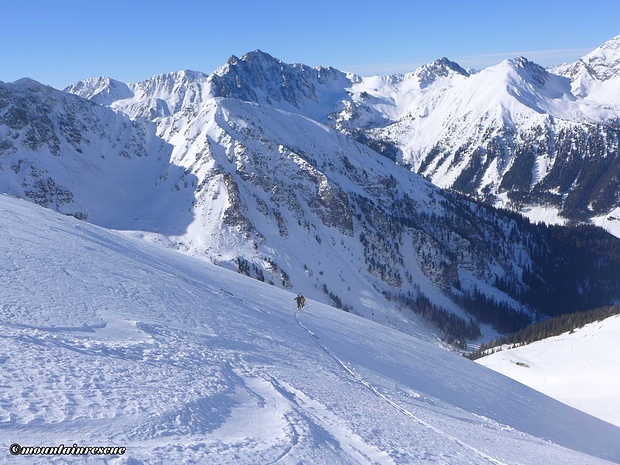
612,44
261,78
604,61
527,70
601,64
520,62
31,84
440,68
253,57
102,90
259,55
171,80
26,81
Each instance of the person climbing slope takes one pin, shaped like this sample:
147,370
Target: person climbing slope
301,301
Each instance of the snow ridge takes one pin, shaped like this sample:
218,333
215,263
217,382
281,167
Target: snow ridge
508,135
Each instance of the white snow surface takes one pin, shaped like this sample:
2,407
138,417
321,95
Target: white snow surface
580,369
610,222
107,340
595,76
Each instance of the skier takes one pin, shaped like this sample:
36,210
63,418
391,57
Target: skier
301,301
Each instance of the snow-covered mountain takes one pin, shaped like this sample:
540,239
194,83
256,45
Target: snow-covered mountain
514,135
159,96
285,199
85,160
103,90
596,76
579,368
119,343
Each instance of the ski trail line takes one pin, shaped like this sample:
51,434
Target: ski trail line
395,405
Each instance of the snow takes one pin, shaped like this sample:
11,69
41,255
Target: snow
543,214
594,76
438,109
610,222
108,340
580,369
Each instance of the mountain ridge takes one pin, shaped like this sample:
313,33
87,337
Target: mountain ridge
254,188
514,135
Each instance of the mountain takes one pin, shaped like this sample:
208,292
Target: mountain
514,135
109,341
287,200
103,90
567,367
596,76
159,96
85,160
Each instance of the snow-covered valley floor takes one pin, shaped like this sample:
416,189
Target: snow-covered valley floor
581,369
109,341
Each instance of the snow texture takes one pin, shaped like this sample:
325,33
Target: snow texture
107,340
580,368
544,137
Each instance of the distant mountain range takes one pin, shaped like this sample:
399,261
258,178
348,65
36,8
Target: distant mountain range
543,142
295,176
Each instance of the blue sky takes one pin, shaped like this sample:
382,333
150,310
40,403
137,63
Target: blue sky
58,42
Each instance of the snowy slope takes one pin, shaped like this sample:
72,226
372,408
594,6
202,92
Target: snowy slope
158,96
109,341
102,90
85,160
580,369
514,128
596,76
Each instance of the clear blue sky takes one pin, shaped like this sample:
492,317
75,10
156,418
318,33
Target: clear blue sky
58,42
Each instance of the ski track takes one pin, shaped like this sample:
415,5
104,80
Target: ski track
393,404
353,444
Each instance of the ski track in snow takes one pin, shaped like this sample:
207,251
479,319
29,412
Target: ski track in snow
399,408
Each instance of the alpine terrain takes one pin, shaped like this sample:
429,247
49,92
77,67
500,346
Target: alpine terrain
543,142
575,367
259,167
107,341
395,199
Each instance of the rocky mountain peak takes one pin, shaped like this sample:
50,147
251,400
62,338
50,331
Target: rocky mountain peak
442,67
604,61
528,70
260,78
601,65
102,90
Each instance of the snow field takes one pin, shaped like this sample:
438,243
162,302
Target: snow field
580,369
106,340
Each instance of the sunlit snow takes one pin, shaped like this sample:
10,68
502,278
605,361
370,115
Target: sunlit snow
107,340
581,369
